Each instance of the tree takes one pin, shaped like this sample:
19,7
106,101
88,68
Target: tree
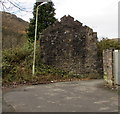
46,17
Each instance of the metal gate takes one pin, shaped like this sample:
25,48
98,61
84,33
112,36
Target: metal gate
116,66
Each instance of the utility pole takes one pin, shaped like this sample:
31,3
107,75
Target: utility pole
42,2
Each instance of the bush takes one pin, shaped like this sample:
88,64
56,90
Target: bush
14,60
106,43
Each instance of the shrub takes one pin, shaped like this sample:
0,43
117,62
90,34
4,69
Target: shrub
106,43
14,59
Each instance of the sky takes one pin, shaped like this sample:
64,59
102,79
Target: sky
100,15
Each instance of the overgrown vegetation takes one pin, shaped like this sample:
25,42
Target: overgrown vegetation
16,64
17,67
106,43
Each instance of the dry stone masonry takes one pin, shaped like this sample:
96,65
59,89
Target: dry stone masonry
108,66
70,46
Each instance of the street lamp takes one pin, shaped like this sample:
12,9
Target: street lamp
42,3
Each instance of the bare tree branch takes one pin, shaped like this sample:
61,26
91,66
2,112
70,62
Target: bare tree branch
15,5
9,4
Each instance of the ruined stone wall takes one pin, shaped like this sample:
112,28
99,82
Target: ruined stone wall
70,46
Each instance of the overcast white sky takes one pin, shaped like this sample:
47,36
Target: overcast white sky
101,15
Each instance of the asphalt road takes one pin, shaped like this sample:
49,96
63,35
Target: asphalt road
77,96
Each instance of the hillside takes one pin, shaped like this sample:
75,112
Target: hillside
13,30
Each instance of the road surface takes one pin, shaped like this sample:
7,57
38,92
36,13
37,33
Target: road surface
76,96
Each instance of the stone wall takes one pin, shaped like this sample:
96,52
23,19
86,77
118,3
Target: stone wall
70,46
108,66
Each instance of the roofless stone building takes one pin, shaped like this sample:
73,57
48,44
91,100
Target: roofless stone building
70,46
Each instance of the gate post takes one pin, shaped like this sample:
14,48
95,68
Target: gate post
108,66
